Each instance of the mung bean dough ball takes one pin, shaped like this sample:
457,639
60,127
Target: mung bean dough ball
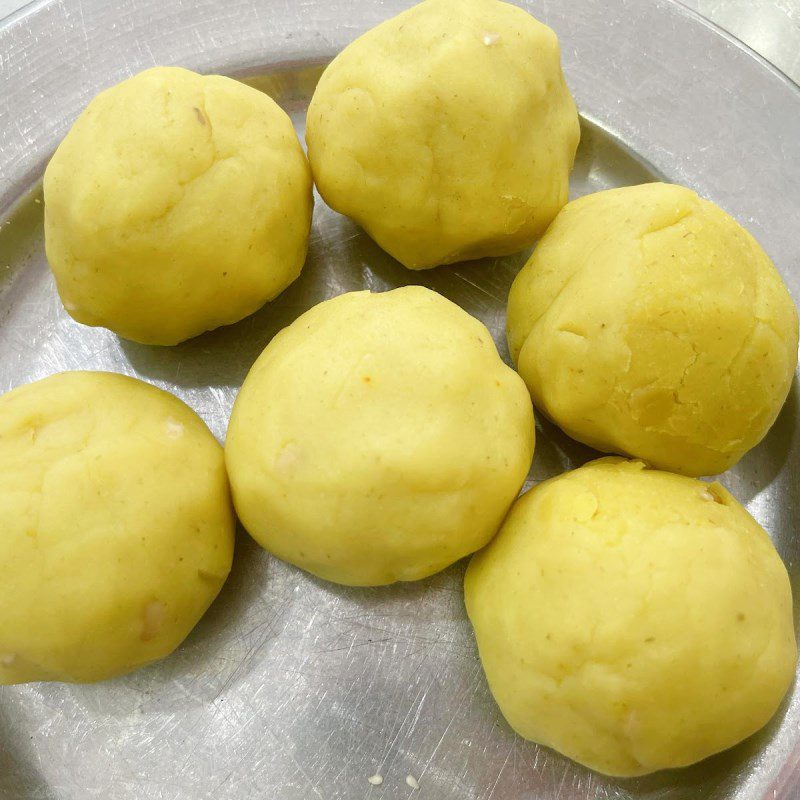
378,438
648,322
116,526
447,132
176,203
631,619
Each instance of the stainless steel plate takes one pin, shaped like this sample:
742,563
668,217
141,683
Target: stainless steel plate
293,688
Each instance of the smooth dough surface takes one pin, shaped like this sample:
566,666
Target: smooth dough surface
378,438
447,132
648,322
116,526
632,619
176,203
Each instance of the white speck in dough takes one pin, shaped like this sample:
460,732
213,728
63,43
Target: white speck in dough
706,495
174,429
288,456
631,723
375,780
8,660
490,38
153,616
412,782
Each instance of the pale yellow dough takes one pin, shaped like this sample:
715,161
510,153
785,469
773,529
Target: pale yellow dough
176,203
648,322
633,620
378,438
447,133
116,526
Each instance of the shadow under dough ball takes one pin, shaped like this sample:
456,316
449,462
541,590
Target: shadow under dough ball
176,203
378,438
117,526
448,132
631,619
648,322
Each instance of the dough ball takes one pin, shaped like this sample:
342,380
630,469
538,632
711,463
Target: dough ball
447,133
631,619
648,322
176,203
117,526
378,438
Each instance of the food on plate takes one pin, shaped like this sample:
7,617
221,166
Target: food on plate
447,132
378,438
649,322
176,203
117,526
632,619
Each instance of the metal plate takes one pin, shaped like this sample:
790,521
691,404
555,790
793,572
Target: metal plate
290,687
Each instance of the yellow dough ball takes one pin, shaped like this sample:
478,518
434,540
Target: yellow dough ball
176,203
631,619
116,526
648,322
378,438
447,133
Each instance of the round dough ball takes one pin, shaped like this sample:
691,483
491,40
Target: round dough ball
631,619
649,323
378,438
176,203
117,526
447,133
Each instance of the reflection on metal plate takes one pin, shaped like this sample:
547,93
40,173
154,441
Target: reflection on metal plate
291,687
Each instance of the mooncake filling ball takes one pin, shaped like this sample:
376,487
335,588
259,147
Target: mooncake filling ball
378,438
116,526
632,619
648,322
176,203
447,133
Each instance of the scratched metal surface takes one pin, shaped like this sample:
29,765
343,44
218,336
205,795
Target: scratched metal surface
290,687
770,27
